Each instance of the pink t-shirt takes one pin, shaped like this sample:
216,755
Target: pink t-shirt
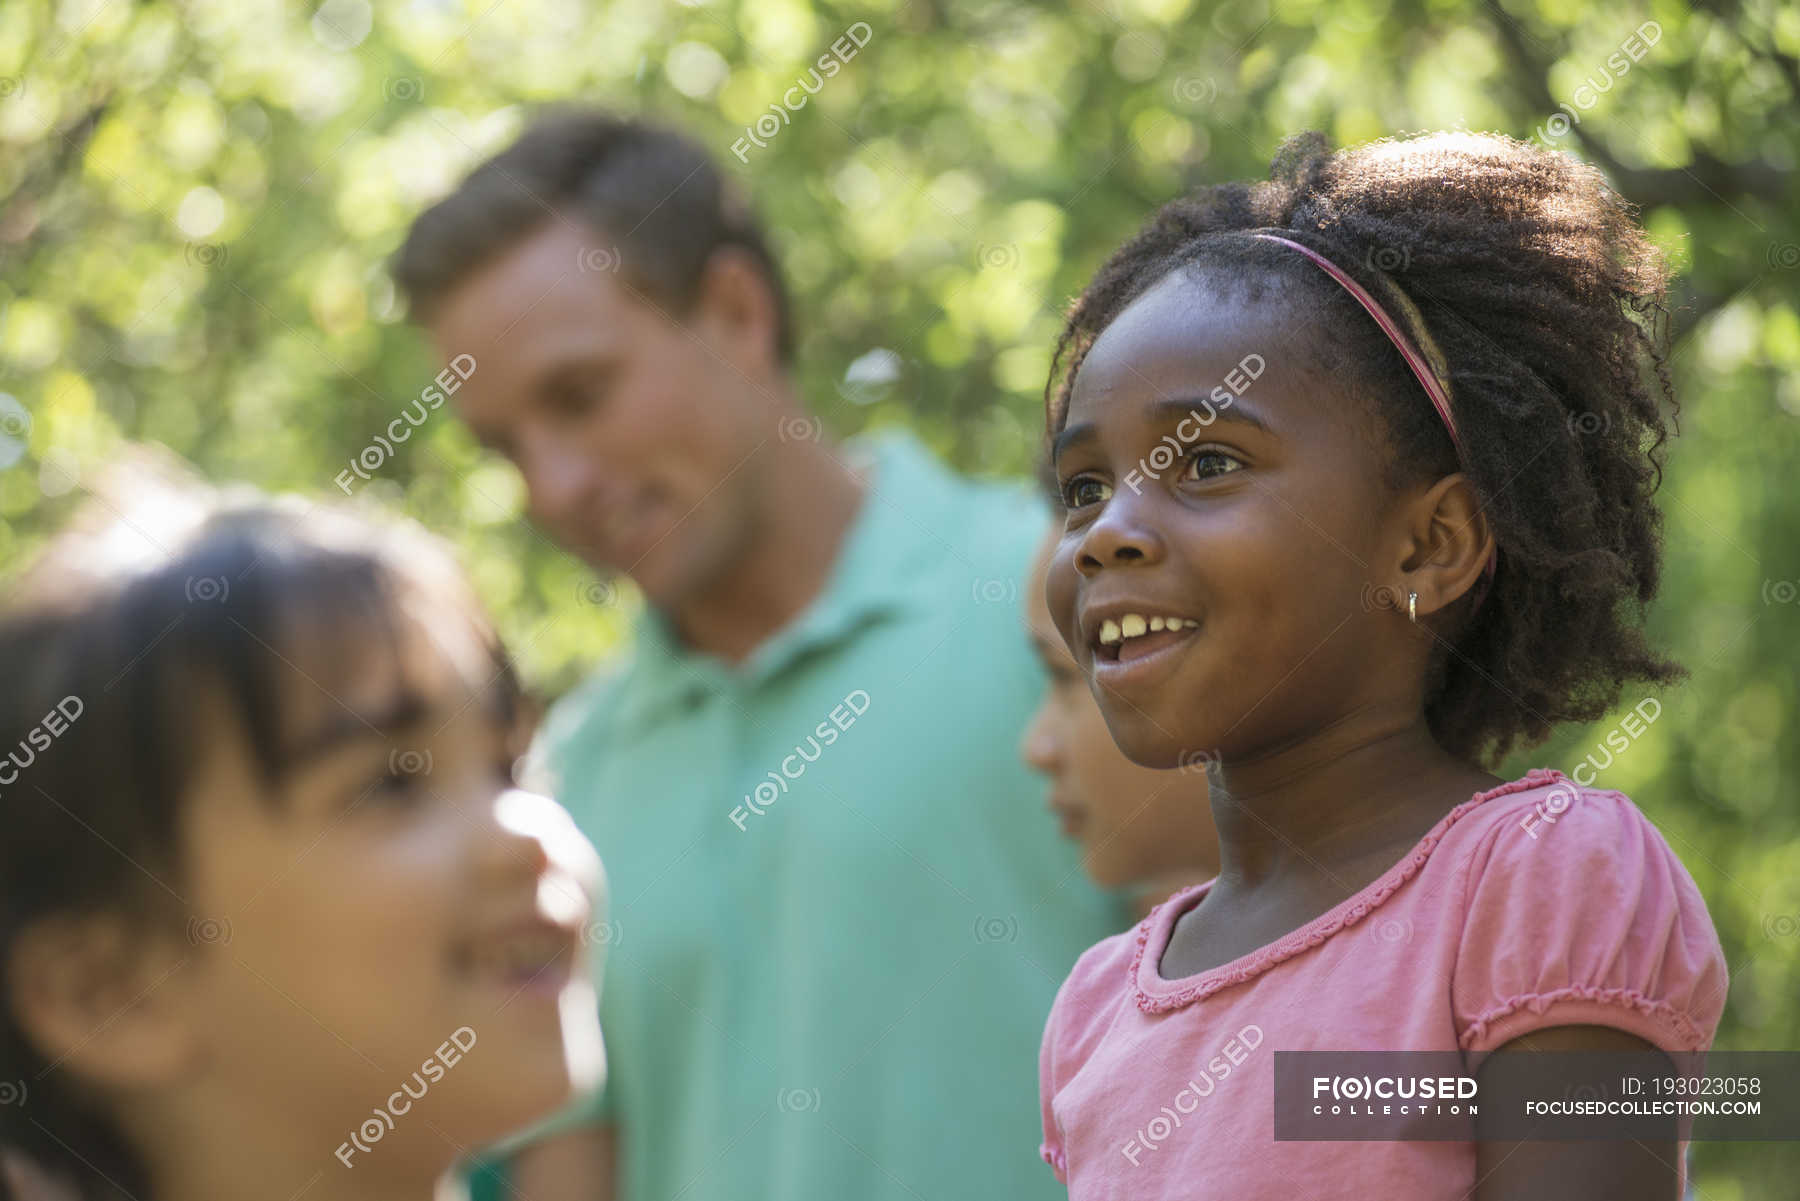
1536,904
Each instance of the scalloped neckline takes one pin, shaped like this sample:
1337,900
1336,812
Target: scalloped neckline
1158,995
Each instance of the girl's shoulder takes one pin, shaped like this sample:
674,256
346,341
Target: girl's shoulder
1575,909
1101,982
1546,823
1103,970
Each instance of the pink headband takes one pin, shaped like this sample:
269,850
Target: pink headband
1419,350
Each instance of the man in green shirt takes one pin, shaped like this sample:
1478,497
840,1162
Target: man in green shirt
838,911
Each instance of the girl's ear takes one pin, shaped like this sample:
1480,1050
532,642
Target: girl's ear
101,997
1450,543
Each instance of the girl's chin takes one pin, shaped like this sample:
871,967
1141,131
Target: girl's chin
1151,748
1162,740
1105,876
1109,859
512,1106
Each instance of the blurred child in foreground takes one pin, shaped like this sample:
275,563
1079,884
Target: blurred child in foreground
272,912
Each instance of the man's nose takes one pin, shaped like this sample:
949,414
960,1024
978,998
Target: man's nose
559,480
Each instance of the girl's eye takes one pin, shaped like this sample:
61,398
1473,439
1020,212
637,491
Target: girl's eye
396,786
1208,464
1085,490
572,402
402,778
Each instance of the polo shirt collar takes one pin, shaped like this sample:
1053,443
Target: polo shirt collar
877,574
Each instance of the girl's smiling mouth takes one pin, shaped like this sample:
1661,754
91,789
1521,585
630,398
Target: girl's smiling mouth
1134,635
1130,641
533,957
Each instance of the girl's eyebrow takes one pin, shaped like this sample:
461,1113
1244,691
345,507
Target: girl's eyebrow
404,710
1170,409
1072,435
1207,411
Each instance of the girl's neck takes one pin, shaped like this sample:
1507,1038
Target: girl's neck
238,1161
1148,894
1361,790
213,1181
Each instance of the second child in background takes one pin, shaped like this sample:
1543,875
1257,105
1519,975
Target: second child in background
1141,829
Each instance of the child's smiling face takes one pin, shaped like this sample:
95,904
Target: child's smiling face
1265,538
396,890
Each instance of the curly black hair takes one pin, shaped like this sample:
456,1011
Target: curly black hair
1547,301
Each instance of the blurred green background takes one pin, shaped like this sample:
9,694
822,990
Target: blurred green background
199,200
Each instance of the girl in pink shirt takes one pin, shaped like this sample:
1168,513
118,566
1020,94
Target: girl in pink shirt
1357,467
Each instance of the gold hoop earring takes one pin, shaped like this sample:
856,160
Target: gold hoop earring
1412,607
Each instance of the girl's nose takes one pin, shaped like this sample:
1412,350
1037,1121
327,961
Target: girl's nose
534,838
511,843
1119,536
1038,746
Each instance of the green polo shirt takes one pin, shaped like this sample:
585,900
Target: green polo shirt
839,909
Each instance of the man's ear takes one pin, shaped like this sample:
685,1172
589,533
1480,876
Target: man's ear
103,998
1450,543
735,303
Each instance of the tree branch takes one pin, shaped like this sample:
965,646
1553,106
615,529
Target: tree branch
1707,179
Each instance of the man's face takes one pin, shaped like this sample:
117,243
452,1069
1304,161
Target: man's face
637,430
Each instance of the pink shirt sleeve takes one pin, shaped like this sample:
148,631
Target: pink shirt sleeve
1051,1149
1585,919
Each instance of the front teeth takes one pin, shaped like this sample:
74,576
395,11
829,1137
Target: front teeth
1134,625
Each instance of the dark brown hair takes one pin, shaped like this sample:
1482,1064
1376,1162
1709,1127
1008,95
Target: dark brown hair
657,196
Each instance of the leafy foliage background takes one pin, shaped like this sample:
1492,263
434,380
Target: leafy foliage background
200,197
